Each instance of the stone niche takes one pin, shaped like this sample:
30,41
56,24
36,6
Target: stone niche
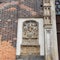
30,37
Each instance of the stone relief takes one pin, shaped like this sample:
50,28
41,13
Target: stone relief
30,44
30,29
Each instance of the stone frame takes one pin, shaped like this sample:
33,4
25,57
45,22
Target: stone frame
41,34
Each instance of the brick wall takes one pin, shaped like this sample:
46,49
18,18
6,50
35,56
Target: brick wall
7,51
8,30
8,22
10,11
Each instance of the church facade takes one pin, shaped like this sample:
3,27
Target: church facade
28,28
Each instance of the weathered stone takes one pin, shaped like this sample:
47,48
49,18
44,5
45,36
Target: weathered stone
30,44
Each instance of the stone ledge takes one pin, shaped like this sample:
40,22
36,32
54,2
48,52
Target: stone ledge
30,58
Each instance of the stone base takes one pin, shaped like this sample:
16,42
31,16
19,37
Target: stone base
30,58
30,50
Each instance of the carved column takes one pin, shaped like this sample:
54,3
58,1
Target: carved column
51,50
47,28
54,32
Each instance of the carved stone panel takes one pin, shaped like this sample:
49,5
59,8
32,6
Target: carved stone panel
29,50
30,29
30,45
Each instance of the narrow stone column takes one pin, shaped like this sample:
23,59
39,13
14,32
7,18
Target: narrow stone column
54,46
47,44
47,28
51,48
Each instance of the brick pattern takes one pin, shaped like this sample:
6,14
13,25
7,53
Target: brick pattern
7,51
8,22
11,10
30,8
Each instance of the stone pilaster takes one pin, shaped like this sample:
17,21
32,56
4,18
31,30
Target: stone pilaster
51,50
54,47
47,28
